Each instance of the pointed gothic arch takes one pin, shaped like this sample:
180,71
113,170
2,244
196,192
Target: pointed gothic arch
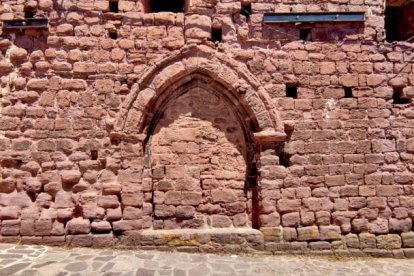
204,65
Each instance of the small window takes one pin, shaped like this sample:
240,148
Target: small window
398,21
175,6
348,92
113,34
305,34
292,91
216,34
94,154
113,6
284,159
399,97
246,9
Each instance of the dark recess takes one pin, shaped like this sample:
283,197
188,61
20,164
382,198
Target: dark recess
348,92
398,96
216,34
113,6
113,34
292,91
29,14
305,34
246,10
167,6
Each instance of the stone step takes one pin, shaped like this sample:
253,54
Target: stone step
208,240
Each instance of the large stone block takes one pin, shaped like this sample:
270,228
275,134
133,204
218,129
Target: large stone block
308,233
78,226
389,242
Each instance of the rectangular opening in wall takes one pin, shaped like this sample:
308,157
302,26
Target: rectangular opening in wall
305,34
216,34
348,92
114,6
175,6
246,8
94,154
399,97
292,91
113,34
399,20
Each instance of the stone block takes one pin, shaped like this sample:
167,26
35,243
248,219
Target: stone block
108,201
389,242
223,195
308,233
27,228
191,198
400,225
288,205
101,226
220,221
103,240
291,219
70,177
78,226
367,240
10,228
320,245
409,253
352,241
43,227
93,212
9,213
290,234
127,225
79,240
408,239
330,233
185,212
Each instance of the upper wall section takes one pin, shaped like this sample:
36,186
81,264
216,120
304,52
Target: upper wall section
238,24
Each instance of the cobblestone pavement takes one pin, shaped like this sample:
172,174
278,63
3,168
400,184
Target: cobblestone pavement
42,260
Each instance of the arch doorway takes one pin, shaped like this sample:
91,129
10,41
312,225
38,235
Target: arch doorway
201,160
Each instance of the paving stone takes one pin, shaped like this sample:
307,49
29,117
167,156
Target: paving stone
62,262
10,270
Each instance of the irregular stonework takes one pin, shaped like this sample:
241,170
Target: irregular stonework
118,126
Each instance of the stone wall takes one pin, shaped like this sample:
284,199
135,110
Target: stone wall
118,128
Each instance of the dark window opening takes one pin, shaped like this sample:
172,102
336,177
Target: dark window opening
29,14
292,91
113,6
305,34
391,18
113,34
216,34
399,97
94,154
175,6
398,21
284,160
348,92
246,9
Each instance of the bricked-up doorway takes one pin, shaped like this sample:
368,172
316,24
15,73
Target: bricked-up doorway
200,155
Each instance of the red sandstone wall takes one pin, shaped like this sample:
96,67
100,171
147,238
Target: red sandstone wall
69,175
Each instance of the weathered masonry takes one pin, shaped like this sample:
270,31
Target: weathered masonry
208,125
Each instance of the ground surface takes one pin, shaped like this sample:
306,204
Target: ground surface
42,260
